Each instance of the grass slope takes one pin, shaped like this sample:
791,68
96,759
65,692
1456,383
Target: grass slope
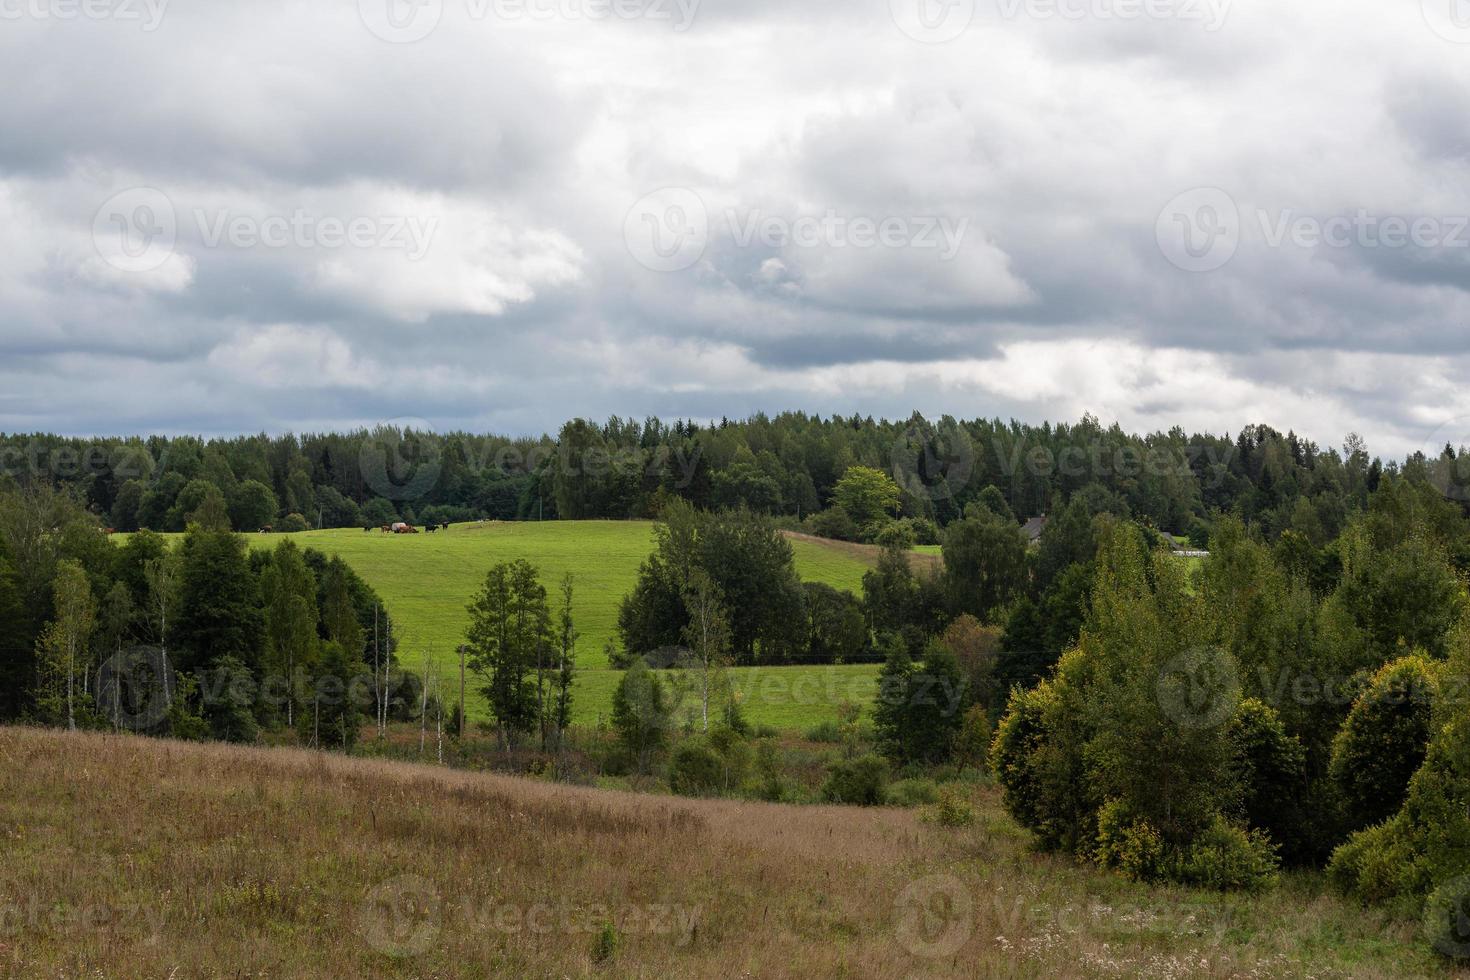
426,580
127,857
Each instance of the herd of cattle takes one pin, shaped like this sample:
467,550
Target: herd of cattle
398,527
402,527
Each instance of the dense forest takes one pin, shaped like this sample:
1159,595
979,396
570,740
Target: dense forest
786,466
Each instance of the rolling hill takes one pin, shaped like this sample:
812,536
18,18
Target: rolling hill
128,857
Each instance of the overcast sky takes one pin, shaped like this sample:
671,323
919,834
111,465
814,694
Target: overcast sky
219,217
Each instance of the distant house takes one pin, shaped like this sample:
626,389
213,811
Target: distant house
1033,528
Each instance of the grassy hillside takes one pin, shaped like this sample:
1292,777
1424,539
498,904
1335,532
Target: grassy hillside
427,579
128,858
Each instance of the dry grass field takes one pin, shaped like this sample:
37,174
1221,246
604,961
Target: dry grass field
130,858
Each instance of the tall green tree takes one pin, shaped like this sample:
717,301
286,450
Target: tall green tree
640,713
984,563
217,613
509,634
289,591
65,646
869,495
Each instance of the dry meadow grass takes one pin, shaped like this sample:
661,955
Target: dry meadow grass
126,857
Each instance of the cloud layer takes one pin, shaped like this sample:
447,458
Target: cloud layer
496,214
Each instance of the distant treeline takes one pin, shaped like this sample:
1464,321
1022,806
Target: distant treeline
786,466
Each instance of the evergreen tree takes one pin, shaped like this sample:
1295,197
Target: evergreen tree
509,634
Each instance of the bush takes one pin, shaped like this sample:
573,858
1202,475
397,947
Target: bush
1428,841
951,809
833,523
1019,735
1128,844
292,524
1384,740
913,792
860,782
1229,858
770,785
1447,919
824,731
696,769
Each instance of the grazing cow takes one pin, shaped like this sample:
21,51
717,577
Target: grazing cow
431,528
444,526
386,529
266,530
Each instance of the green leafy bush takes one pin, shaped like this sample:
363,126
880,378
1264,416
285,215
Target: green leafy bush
1384,740
1229,858
1128,843
1447,919
861,782
824,731
1020,734
695,769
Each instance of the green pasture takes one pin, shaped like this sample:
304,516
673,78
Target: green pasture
426,581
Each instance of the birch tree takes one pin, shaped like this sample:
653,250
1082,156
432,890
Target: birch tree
64,642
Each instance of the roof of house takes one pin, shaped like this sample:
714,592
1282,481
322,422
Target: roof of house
1032,528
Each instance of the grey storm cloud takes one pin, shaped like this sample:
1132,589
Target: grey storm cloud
275,216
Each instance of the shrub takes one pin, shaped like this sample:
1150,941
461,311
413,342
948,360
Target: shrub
824,731
1229,858
1020,734
913,792
833,523
696,769
951,809
1447,919
1425,843
1384,740
770,785
606,943
1128,844
861,782
293,524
